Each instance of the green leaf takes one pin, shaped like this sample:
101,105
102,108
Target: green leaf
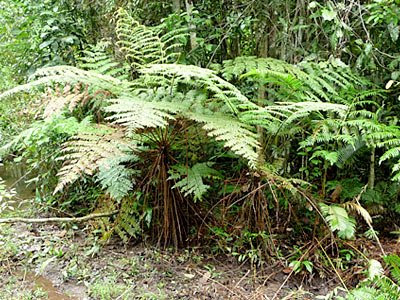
45,44
394,31
339,220
375,269
308,265
192,183
328,15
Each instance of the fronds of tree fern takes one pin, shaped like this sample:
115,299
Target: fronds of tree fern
86,152
144,45
235,135
137,113
56,100
70,75
197,77
96,58
140,44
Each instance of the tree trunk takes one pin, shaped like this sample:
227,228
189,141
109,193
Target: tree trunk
192,26
371,177
176,5
262,93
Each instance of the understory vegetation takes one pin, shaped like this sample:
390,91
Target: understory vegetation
264,133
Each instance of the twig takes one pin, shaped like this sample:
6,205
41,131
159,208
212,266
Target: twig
332,265
57,220
291,273
357,199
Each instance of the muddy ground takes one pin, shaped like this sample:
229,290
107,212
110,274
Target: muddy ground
52,262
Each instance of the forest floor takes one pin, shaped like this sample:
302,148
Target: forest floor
50,262
60,262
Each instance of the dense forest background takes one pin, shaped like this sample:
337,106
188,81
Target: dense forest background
261,130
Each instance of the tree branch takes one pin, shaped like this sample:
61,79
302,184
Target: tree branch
58,220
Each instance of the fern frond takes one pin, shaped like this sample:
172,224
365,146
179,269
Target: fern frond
198,77
136,112
56,100
339,220
353,206
96,58
140,44
115,178
70,75
393,261
192,184
127,222
144,45
391,153
87,151
236,135
348,151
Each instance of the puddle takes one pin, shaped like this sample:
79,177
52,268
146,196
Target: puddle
46,285
14,177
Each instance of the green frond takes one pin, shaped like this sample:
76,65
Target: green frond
70,75
128,221
140,45
96,58
348,151
198,77
339,220
135,112
234,134
393,261
192,182
86,152
303,82
115,178
143,45
391,153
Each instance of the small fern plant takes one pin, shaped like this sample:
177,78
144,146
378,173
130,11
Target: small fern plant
378,285
338,220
